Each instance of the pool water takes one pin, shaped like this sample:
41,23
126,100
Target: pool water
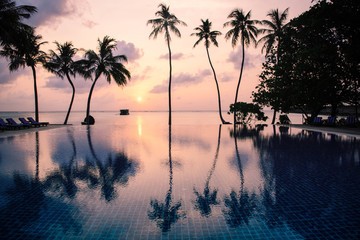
134,177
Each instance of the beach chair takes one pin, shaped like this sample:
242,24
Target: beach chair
23,121
3,125
331,121
317,120
12,123
32,121
350,121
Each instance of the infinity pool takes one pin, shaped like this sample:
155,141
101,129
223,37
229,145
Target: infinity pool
134,177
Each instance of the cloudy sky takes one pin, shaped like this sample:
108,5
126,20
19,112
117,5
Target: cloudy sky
84,21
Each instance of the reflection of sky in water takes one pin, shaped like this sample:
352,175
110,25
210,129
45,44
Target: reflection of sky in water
134,177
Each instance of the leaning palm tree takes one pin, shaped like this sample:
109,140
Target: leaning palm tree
165,23
103,63
244,28
205,33
26,52
62,65
11,17
273,36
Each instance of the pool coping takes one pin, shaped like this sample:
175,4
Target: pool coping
10,133
352,132
347,131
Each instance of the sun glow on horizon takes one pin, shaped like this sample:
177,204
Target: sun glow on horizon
139,99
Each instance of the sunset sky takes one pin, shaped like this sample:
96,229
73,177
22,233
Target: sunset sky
84,21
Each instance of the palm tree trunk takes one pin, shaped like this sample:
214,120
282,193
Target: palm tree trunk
89,100
35,94
241,71
168,42
274,117
72,98
217,86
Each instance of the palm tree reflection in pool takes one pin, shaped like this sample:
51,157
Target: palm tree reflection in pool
63,181
203,202
116,169
240,207
167,213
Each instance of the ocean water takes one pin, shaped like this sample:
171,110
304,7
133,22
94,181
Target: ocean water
136,177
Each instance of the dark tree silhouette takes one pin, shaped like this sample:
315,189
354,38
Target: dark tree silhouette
26,52
244,28
165,23
62,65
103,63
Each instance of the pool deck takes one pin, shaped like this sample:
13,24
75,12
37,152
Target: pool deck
10,133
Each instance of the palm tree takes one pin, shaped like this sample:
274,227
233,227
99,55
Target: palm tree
103,63
165,23
62,64
273,36
205,33
10,20
26,52
244,28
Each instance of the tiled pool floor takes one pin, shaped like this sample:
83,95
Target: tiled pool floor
144,181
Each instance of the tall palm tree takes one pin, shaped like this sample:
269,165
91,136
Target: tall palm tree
273,36
244,28
26,52
205,33
62,65
103,63
165,23
10,20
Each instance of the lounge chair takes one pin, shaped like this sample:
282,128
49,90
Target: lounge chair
331,121
23,121
32,121
350,121
3,125
317,120
12,123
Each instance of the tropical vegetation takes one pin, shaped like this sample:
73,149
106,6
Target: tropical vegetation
26,53
103,63
62,65
311,62
318,69
244,28
204,33
165,23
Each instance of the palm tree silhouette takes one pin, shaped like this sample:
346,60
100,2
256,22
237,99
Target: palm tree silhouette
165,23
244,28
167,213
11,25
240,206
273,36
103,63
26,52
203,202
205,33
62,65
